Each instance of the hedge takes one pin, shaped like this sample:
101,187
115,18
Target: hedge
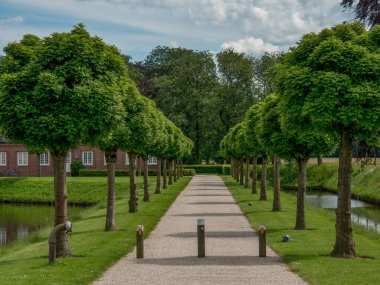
103,172
209,169
189,172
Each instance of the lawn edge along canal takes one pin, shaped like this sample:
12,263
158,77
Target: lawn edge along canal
93,249
308,252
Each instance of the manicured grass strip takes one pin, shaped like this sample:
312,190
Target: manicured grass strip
93,249
80,189
308,253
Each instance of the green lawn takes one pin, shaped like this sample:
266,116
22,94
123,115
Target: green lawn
365,181
308,252
93,249
80,189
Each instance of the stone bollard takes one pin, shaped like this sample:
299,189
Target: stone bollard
140,241
201,238
262,241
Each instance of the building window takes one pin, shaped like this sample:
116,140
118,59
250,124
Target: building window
126,159
44,158
87,157
68,158
152,160
3,158
22,158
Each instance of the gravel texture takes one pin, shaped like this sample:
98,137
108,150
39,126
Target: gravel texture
231,245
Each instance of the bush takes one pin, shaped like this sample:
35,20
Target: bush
103,172
209,169
189,172
76,166
226,169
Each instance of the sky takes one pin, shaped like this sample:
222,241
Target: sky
138,26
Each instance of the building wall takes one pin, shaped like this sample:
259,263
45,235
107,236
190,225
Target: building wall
35,169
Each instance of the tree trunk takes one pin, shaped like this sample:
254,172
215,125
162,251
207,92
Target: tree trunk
178,169
133,197
320,159
246,173
236,163
344,244
165,174
174,170
232,168
254,175
110,216
158,179
301,194
138,158
59,163
146,182
170,166
263,190
276,186
241,162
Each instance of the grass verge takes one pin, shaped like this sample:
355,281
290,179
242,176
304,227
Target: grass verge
93,249
308,253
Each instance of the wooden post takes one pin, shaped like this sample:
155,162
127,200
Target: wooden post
201,237
140,241
262,241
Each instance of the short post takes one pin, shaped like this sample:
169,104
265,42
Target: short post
66,226
140,241
201,238
262,241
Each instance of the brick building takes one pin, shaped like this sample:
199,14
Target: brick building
15,160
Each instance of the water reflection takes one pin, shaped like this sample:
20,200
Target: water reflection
362,213
17,222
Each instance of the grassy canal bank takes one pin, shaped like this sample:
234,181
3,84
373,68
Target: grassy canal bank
308,253
93,249
365,181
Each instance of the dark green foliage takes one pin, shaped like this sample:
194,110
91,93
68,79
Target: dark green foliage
186,81
189,172
226,169
237,88
76,166
217,169
367,11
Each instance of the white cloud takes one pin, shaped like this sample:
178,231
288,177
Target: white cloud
197,24
250,45
12,20
173,44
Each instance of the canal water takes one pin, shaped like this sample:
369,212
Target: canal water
17,222
363,214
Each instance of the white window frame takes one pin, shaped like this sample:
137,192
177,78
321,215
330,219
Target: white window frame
88,158
44,159
152,160
3,158
68,157
22,158
126,159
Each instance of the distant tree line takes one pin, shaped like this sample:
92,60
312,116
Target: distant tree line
204,94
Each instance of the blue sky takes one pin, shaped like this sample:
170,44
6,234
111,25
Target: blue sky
137,26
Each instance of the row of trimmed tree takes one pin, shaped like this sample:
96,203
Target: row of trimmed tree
69,89
327,94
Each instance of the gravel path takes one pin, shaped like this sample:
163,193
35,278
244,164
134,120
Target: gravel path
231,245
